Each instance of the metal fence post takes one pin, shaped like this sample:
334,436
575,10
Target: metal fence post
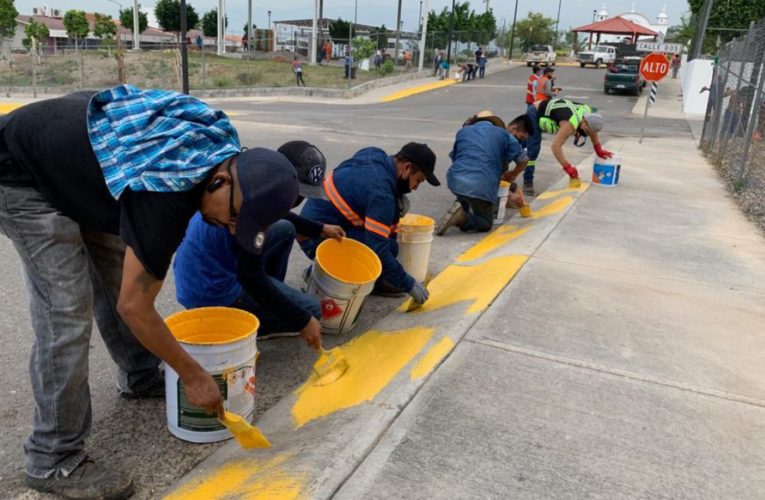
726,129
753,116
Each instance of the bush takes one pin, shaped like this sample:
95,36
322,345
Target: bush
387,67
222,82
248,78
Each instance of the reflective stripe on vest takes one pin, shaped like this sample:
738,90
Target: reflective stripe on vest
550,126
339,203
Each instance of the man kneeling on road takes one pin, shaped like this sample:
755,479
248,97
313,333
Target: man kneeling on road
482,151
564,118
366,198
211,269
96,192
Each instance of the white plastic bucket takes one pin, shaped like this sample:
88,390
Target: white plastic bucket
342,276
415,237
502,194
223,341
605,172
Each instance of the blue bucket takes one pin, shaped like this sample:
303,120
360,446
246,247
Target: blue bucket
606,172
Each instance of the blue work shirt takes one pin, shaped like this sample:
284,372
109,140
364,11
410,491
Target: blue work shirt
363,200
478,159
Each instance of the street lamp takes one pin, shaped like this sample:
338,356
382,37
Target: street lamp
419,19
269,19
594,13
557,21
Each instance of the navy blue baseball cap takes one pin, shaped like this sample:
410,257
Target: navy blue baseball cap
269,186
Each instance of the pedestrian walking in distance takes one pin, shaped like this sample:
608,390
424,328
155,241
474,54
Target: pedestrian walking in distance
297,67
675,65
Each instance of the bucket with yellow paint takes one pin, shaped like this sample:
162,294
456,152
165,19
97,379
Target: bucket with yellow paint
415,237
343,274
606,172
223,341
499,208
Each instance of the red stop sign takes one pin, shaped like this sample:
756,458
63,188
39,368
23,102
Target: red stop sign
654,67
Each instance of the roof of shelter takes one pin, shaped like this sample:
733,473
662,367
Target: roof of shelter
616,26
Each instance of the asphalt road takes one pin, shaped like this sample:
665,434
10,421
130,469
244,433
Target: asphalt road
132,434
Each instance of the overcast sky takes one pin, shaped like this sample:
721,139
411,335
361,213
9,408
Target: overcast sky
573,12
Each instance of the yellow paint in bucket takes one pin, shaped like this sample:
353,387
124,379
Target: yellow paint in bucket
343,274
223,341
414,243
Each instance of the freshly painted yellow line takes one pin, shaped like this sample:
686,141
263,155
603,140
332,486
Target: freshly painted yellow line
431,358
502,235
418,90
479,284
553,207
552,194
249,478
374,359
7,107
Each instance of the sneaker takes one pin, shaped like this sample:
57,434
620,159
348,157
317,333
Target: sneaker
455,216
385,289
528,188
88,481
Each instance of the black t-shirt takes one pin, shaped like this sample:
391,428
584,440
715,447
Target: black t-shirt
45,145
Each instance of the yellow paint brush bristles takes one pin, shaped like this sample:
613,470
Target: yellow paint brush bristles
247,435
330,366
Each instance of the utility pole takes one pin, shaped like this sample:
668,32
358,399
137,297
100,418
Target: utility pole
184,50
557,21
423,34
249,24
398,33
221,40
449,42
136,31
698,38
314,39
512,32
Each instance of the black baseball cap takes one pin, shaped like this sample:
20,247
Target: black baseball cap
310,165
269,186
422,156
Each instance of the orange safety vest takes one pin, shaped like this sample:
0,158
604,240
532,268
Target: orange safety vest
530,88
541,96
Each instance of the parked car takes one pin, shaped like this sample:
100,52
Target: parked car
625,77
599,55
541,55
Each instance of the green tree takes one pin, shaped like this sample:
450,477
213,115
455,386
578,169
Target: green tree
380,36
244,30
76,24
168,14
726,18
535,29
363,48
8,15
35,30
126,20
104,26
210,24
485,26
338,30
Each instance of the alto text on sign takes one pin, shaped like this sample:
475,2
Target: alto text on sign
673,48
654,67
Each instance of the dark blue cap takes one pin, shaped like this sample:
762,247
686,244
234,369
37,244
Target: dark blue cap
269,188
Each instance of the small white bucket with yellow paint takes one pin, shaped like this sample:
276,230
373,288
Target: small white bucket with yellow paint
499,209
343,274
223,341
415,237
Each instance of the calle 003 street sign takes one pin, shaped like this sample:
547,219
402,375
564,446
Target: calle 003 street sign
654,67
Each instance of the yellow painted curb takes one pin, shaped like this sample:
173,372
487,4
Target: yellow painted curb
7,107
401,94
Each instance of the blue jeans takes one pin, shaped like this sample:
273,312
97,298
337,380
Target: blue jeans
533,144
481,70
276,256
480,214
71,274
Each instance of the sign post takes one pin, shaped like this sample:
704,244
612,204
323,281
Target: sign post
653,67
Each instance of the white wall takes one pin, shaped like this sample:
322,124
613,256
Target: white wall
696,74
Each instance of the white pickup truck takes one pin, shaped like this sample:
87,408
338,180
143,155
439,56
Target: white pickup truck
600,54
541,55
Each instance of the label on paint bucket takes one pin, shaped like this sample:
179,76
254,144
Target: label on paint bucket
239,381
606,172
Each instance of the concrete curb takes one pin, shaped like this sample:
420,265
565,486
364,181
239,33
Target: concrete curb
314,457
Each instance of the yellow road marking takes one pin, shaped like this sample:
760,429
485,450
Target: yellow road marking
553,207
418,90
502,235
552,194
431,358
7,107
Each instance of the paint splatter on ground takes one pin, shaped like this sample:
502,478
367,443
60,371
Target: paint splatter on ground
431,358
493,241
254,479
479,284
552,194
374,359
553,207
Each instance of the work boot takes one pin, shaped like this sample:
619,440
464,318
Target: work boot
385,289
528,188
89,481
455,216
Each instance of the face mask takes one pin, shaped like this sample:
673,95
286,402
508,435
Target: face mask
403,186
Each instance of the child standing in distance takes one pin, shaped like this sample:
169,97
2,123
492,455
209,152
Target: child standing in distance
297,67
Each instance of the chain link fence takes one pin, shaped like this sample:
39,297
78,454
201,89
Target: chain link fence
734,128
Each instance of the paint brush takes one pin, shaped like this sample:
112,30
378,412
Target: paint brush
247,435
330,366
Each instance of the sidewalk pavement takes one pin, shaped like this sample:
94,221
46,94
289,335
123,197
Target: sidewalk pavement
610,346
669,104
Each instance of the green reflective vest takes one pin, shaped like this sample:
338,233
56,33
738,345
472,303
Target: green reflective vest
558,110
